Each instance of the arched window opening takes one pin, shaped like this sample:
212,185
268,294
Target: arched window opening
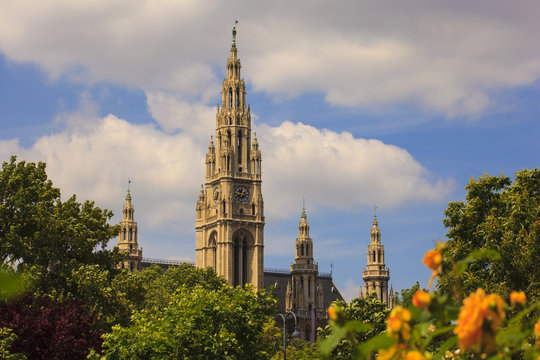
309,290
212,251
230,97
242,257
302,250
237,98
239,147
130,235
124,234
252,209
131,266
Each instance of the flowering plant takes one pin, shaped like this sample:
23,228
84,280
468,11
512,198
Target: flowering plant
483,326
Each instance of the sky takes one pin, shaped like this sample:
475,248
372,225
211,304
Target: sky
356,104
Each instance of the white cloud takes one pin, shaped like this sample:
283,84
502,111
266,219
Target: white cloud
337,170
351,290
444,57
93,158
174,113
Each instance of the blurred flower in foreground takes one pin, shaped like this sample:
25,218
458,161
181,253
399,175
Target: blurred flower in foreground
478,320
433,260
398,323
518,297
415,355
332,313
421,299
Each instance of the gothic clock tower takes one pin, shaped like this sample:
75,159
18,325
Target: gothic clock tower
229,213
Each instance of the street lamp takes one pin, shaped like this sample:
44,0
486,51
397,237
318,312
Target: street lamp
296,334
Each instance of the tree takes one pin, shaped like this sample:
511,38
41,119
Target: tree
501,216
161,285
112,294
367,310
47,328
197,324
40,232
7,338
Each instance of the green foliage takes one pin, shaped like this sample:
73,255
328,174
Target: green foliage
197,324
7,338
299,350
111,294
356,323
160,285
11,284
483,327
40,232
502,217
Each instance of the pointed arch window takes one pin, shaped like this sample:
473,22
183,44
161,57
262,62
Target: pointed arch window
230,97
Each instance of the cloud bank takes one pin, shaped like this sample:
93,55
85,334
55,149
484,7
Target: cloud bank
447,58
94,157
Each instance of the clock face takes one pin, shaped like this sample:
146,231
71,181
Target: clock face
216,195
241,194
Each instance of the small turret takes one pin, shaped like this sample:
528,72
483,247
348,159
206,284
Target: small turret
127,239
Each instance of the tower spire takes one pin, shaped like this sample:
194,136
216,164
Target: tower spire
127,239
232,193
376,274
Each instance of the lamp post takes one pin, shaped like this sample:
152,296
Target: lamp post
294,335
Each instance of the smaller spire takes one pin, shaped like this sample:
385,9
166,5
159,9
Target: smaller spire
129,184
375,212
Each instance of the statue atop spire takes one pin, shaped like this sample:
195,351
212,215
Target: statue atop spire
234,33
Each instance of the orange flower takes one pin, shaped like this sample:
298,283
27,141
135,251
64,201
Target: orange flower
398,322
421,299
478,320
332,313
518,297
415,355
395,352
433,259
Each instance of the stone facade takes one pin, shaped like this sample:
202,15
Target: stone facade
304,294
376,275
229,212
127,239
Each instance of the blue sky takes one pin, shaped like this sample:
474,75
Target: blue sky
356,105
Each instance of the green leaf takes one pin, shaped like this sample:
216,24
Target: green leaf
331,341
445,346
358,326
379,342
511,335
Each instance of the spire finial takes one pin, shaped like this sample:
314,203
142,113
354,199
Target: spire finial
303,204
234,33
129,184
375,212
